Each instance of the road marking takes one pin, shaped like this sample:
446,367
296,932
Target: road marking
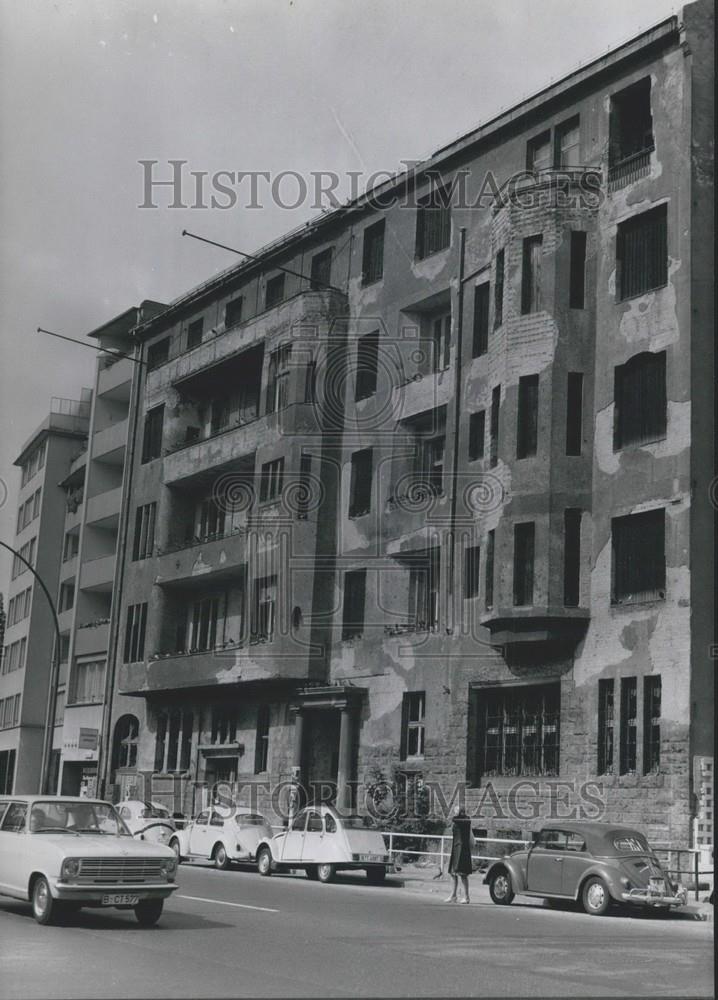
223,902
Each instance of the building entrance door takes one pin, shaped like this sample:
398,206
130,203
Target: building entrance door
321,754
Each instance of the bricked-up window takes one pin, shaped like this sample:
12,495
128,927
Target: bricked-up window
321,272
173,741
651,724
639,557
135,625
477,433
574,413
224,725
413,712
354,603
367,365
568,143
158,353
630,122
518,731
571,557
194,333
233,312
204,620
424,583
577,276
373,253
538,152
640,413
264,608
433,223
642,253
527,416
440,341
261,742
360,485
152,436
489,570
531,274
629,722
499,290
271,480
482,298
144,539
524,535
605,726
472,557
278,378
274,292
494,426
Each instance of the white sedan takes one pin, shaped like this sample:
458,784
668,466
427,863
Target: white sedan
63,853
322,842
223,834
147,820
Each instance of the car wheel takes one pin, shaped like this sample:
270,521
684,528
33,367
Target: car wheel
595,897
221,858
312,873
44,908
264,861
325,873
175,845
500,888
149,911
376,876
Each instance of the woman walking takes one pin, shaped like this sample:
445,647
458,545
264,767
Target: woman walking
460,864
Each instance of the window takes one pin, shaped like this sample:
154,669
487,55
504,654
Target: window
568,136
135,626
430,471
7,771
173,741
489,570
158,353
321,271
233,312
367,365
531,274
354,602
538,152
433,223
651,724
640,413
88,682
440,338
571,557
482,297
494,426
518,731
211,518
261,745
577,277
224,725
203,623
144,540
124,753
499,291
71,546
471,571
360,487
524,563
413,710
639,557
274,293
264,609
630,124
477,432
424,580
26,555
574,413
194,333
34,462
14,818
271,480
14,656
67,597
628,726
605,726
642,253
152,438
373,253
527,417
278,379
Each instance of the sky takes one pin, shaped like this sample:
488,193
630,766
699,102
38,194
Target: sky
88,88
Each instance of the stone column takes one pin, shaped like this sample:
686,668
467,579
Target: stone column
346,746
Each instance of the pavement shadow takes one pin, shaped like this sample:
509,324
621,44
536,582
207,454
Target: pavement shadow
108,920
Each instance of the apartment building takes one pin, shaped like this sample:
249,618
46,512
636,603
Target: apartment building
421,492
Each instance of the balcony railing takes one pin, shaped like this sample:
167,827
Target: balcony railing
189,542
630,169
200,438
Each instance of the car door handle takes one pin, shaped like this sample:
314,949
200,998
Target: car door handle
558,860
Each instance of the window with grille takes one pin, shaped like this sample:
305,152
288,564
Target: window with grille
194,333
261,745
413,711
144,539
524,563
264,609
88,682
354,604
274,293
639,557
158,353
367,365
424,583
641,408
360,485
499,290
574,413
531,274
518,731
571,557
433,223
482,298
233,312
321,269
494,426
629,721
271,480
152,436
278,379
135,626
477,433
651,724
489,570
527,416
605,726
642,253
630,124
472,556
373,253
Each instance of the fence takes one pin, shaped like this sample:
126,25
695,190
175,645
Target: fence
669,855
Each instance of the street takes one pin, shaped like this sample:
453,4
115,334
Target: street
226,934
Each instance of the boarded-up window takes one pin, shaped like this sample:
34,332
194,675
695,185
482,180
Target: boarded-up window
639,557
571,557
354,603
651,724
373,253
482,297
574,412
518,731
629,722
433,223
640,413
642,253
605,726
527,418
524,563
531,274
477,433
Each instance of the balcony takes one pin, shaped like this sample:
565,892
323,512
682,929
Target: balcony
109,444
186,460
103,510
92,637
630,169
98,574
115,378
527,627
223,555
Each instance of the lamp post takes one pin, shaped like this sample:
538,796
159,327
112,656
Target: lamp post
54,670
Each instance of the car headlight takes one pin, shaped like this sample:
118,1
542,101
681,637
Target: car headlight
169,867
70,869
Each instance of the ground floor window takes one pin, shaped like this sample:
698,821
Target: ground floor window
518,730
7,771
173,740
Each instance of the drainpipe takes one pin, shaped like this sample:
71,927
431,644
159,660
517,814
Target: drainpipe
451,622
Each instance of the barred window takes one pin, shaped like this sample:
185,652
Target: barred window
642,253
518,731
433,223
640,413
629,721
639,557
605,726
651,724
373,253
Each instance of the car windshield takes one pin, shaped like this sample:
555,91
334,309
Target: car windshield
77,817
151,811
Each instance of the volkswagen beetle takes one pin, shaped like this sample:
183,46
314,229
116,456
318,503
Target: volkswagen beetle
594,863
147,820
223,834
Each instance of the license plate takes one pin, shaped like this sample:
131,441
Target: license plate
376,858
120,899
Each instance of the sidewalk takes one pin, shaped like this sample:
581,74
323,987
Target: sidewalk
427,880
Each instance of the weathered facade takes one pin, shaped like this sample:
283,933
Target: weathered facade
439,510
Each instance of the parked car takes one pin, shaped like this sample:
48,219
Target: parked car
221,834
64,853
322,842
147,820
595,863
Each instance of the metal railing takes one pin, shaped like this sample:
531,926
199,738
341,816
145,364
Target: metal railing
675,869
444,842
